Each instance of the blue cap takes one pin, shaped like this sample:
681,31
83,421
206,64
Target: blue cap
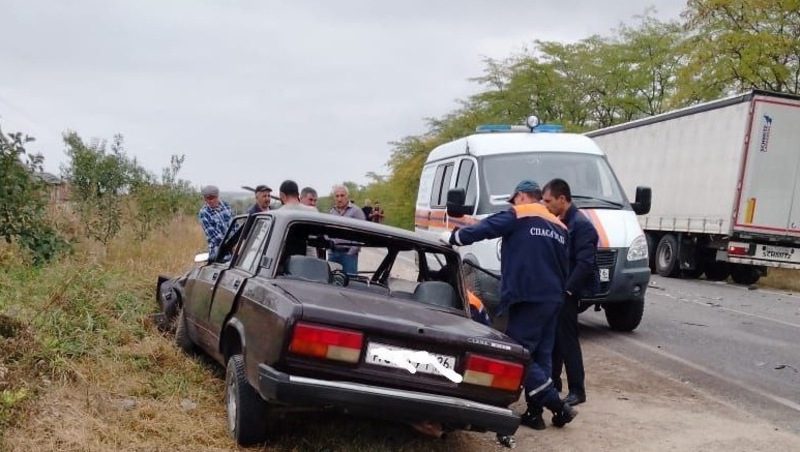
525,186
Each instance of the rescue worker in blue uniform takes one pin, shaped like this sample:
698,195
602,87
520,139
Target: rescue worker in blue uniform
533,267
583,281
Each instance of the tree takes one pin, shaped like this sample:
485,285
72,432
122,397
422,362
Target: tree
99,180
23,198
737,45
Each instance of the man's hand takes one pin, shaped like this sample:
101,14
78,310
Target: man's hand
444,238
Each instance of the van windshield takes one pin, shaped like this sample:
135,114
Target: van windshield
589,176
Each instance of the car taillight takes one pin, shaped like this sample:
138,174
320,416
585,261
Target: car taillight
326,342
495,373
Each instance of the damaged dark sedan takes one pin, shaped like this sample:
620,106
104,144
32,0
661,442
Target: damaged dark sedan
394,340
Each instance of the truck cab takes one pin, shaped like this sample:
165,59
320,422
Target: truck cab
488,164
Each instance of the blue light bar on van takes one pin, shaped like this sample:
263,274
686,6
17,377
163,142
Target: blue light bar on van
548,128
492,128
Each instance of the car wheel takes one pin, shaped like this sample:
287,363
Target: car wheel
182,338
667,256
624,316
247,411
717,271
170,304
745,274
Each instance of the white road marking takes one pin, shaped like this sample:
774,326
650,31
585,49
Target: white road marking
744,386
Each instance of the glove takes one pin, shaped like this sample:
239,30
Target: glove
444,238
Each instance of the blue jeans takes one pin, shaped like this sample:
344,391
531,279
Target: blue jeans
533,325
349,262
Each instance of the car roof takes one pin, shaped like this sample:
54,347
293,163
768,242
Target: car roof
483,144
288,216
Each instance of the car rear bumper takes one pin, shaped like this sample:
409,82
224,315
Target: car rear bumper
392,404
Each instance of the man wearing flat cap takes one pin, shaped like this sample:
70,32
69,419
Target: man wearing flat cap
215,216
533,270
263,197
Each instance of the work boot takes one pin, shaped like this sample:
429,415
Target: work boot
575,398
533,419
564,416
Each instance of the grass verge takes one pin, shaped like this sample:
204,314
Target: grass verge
85,369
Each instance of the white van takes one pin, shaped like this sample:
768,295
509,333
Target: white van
486,166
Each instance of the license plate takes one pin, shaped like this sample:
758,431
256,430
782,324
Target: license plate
777,253
376,355
605,275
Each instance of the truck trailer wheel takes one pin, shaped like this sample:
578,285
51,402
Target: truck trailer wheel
745,274
624,316
667,263
247,411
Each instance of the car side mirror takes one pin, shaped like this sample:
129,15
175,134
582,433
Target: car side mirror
201,258
643,198
455,202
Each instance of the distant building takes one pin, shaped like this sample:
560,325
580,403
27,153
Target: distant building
57,187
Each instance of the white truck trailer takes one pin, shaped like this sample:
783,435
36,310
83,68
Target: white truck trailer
726,177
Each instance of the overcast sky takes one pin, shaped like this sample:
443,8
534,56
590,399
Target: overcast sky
259,91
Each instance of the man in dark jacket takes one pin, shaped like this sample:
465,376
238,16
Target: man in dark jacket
581,282
533,271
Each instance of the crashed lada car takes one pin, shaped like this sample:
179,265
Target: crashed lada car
394,340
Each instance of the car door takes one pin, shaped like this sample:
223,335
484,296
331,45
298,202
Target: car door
201,290
232,280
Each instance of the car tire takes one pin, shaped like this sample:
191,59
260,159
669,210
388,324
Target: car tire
247,411
170,305
667,261
717,271
624,316
182,339
745,274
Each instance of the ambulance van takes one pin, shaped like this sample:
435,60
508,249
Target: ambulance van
478,174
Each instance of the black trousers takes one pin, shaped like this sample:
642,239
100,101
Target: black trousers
567,349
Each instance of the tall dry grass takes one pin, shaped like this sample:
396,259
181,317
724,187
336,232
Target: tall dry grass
782,278
86,370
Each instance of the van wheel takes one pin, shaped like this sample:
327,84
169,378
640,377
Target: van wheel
745,274
247,411
624,316
652,243
667,263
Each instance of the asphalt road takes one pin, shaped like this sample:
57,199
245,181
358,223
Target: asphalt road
740,345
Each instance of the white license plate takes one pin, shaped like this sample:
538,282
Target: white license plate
777,253
605,275
374,357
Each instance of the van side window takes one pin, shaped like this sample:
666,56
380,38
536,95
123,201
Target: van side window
466,180
441,183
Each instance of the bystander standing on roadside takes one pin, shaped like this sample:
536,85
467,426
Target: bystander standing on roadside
377,213
367,209
581,282
263,198
308,196
290,197
347,256
215,216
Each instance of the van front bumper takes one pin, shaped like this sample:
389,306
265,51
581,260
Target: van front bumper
389,403
628,282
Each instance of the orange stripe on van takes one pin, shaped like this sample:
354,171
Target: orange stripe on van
598,225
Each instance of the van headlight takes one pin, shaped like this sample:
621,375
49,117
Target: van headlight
638,249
